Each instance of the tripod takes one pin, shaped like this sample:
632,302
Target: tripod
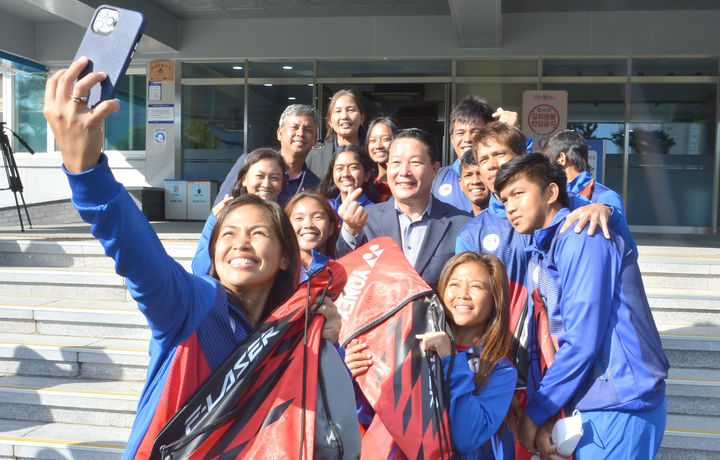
11,170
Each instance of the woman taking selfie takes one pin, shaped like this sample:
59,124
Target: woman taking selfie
196,321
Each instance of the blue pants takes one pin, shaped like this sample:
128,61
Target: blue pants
622,434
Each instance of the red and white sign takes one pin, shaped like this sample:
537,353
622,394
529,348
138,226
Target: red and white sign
544,113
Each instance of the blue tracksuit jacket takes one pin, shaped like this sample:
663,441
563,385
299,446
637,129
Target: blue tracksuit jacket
476,416
446,187
606,196
194,326
609,353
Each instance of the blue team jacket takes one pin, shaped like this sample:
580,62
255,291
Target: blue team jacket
609,353
194,326
446,187
606,196
475,416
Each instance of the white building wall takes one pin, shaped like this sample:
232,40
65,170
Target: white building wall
626,33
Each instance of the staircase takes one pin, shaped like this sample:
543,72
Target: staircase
73,347
683,288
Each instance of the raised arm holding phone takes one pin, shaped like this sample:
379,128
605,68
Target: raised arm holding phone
196,321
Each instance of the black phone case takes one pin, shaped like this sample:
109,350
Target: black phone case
110,53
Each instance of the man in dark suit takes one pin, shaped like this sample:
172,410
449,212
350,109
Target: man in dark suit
425,228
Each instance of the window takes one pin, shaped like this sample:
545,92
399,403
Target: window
125,129
388,68
672,147
30,124
597,111
497,68
266,105
212,130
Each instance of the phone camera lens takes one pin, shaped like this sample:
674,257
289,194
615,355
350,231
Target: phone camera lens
110,21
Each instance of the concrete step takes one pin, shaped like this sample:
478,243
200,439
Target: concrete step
691,396
78,317
63,282
695,351
73,252
63,400
689,445
684,299
690,437
686,307
61,441
63,356
709,252
690,275
680,268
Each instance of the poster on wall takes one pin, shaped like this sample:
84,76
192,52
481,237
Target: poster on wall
544,113
161,71
160,113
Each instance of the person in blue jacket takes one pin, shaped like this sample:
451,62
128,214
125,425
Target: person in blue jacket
196,321
297,133
471,183
471,114
569,149
350,168
491,232
474,291
316,228
261,174
596,344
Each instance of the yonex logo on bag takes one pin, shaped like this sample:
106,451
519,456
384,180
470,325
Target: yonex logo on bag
374,251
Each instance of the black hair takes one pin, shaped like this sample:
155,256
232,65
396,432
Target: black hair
503,134
387,121
573,145
471,109
423,137
468,159
262,153
328,187
332,217
536,168
331,134
285,281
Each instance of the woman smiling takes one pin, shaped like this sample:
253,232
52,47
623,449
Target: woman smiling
196,321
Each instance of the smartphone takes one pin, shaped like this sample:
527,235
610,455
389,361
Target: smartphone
109,44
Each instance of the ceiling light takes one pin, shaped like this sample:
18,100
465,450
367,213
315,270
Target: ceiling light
291,98
267,84
237,67
287,67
